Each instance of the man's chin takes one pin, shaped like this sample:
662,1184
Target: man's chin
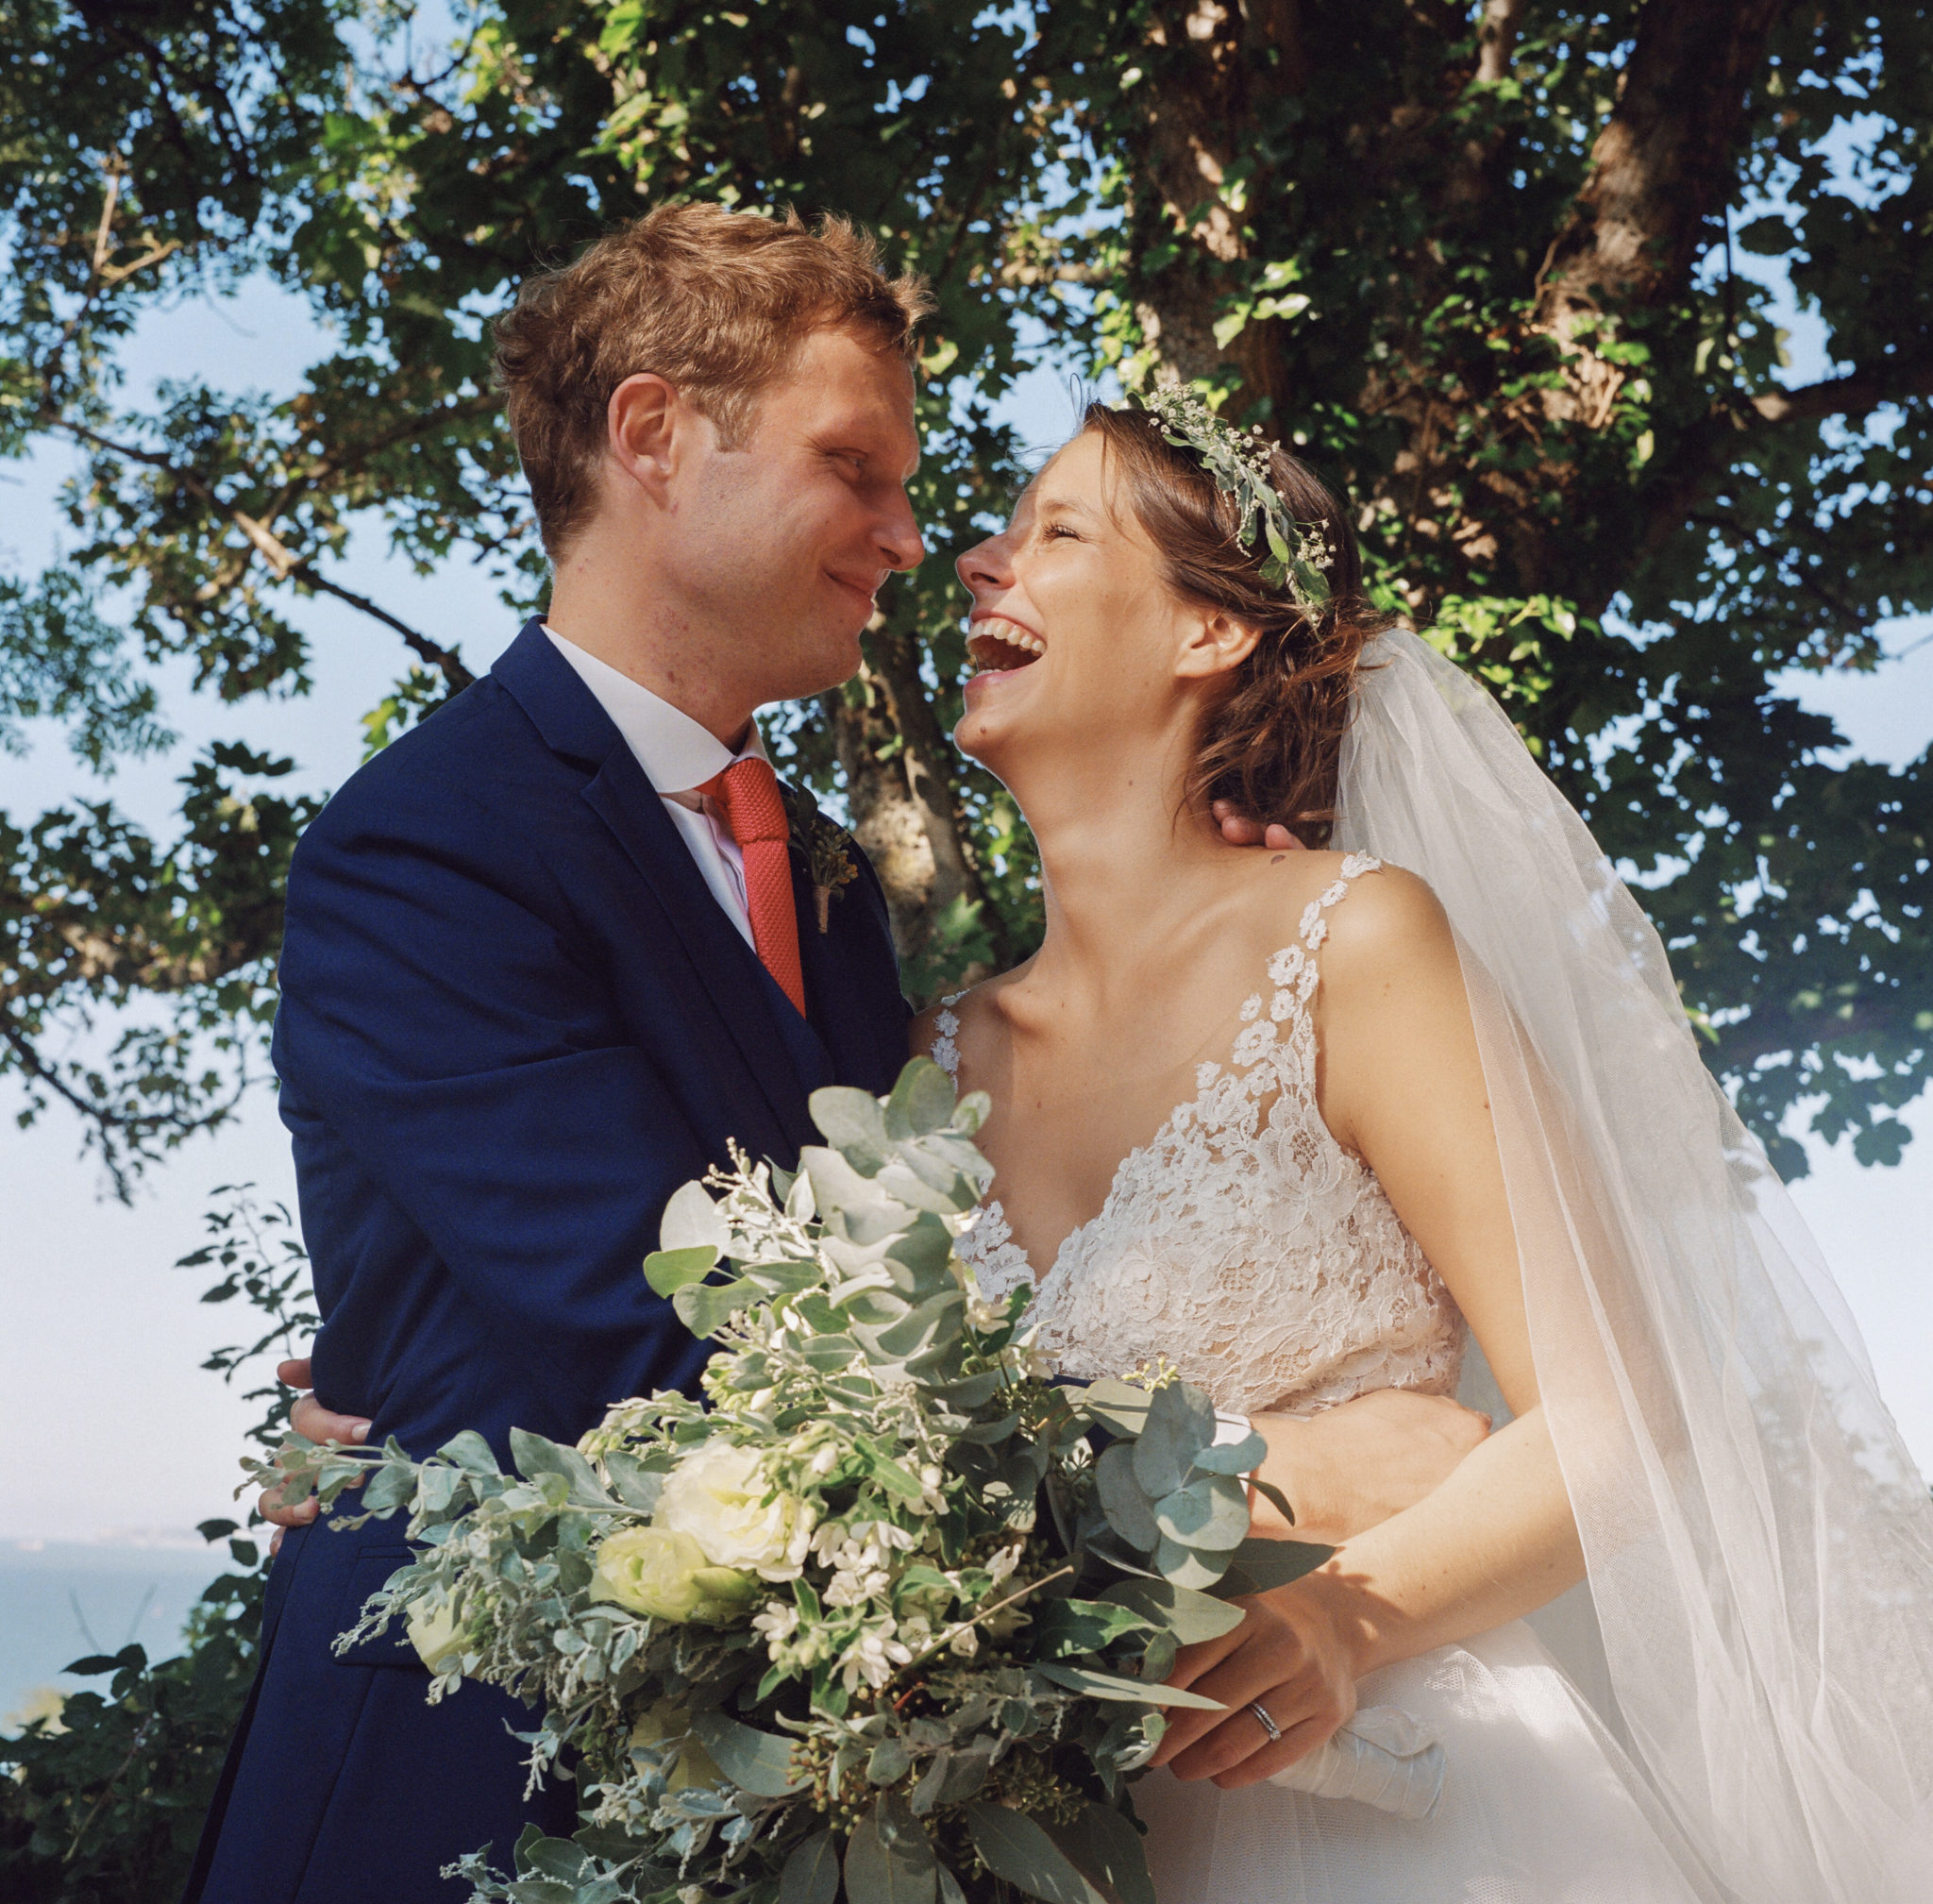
825,663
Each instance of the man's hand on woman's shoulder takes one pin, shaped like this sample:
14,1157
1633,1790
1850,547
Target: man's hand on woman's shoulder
1238,829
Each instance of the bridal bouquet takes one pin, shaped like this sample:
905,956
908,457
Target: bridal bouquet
885,1618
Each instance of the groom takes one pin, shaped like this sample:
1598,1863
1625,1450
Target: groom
549,950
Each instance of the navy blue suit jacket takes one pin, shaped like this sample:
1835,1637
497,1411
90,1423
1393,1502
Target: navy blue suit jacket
513,1019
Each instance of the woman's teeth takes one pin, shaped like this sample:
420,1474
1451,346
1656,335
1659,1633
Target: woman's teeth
1001,646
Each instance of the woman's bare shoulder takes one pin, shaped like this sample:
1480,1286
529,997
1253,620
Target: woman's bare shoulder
1385,918
1390,927
958,1010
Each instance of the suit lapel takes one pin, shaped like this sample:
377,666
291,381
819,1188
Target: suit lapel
729,969
838,1010
724,970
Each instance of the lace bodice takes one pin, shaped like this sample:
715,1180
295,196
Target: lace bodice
1243,1242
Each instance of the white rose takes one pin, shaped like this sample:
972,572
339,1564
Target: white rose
437,1638
720,1495
667,1576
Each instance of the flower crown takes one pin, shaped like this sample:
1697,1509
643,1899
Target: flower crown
1299,552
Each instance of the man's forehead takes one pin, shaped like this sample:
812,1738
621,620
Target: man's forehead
857,392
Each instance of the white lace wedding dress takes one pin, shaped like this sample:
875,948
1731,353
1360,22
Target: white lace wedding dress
1246,1246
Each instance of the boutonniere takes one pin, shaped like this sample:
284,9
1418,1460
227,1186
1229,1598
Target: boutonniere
826,849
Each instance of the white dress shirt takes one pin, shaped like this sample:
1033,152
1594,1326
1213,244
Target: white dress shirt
677,757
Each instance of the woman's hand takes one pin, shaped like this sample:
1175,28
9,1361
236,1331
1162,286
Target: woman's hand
1291,1657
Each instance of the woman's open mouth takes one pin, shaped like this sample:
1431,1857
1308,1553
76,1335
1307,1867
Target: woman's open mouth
998,646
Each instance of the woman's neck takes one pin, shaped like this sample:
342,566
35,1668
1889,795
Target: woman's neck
1125,866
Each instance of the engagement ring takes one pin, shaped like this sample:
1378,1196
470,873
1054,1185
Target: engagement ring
1269,1725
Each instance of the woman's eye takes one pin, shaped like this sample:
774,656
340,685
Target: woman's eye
1057,531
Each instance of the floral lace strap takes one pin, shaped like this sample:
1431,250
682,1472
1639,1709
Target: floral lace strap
1293,972
1315,928
946,1025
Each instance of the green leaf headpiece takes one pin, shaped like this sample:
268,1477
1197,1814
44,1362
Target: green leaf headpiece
1299,552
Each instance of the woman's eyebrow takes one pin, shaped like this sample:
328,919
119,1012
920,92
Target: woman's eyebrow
1066,505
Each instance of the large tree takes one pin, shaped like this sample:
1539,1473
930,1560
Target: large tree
1478,263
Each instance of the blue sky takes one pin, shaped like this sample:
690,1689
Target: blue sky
117,1429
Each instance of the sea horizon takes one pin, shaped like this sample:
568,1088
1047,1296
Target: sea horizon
63,1597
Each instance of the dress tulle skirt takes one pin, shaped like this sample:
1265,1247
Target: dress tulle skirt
1540,1806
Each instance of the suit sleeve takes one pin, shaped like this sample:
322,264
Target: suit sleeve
442,1015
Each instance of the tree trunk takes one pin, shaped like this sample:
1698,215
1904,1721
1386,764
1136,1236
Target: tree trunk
905,812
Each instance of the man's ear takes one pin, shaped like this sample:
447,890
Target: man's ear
642,423
1214,645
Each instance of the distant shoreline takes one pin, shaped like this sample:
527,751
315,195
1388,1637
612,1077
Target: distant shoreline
63,1599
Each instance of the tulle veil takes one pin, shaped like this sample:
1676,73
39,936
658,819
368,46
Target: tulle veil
1760,1541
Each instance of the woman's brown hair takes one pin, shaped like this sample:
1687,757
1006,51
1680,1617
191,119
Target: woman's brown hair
1272,742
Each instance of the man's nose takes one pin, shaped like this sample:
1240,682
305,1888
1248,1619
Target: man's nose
899,538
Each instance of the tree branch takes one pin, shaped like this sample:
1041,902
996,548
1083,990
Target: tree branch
1496,40
1472,179
1661,163
420,645
1855,394
115,1129
1774,1031
283,563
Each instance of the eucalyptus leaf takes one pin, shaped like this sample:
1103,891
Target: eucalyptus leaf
937,1320
1181,1424
975,1391
1012,1847
704,1308
900,1178
1064,1627
812,1872
922,1100
1112,1686
783,1279
1191,1617
758,1763
692,1220
1118,1405
954,1776
1234,1458
1274,1496
669,1270
889,1858
1129,1511
851,1204
853,1123
925,1249
890,1762
1259,1565
1189,1567
1104,1846
829,1353
1211,1513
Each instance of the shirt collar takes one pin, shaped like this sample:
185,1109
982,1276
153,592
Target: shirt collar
677,753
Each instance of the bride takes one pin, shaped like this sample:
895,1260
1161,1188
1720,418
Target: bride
1297,1123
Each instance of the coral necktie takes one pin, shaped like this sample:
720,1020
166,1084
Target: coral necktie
747,794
